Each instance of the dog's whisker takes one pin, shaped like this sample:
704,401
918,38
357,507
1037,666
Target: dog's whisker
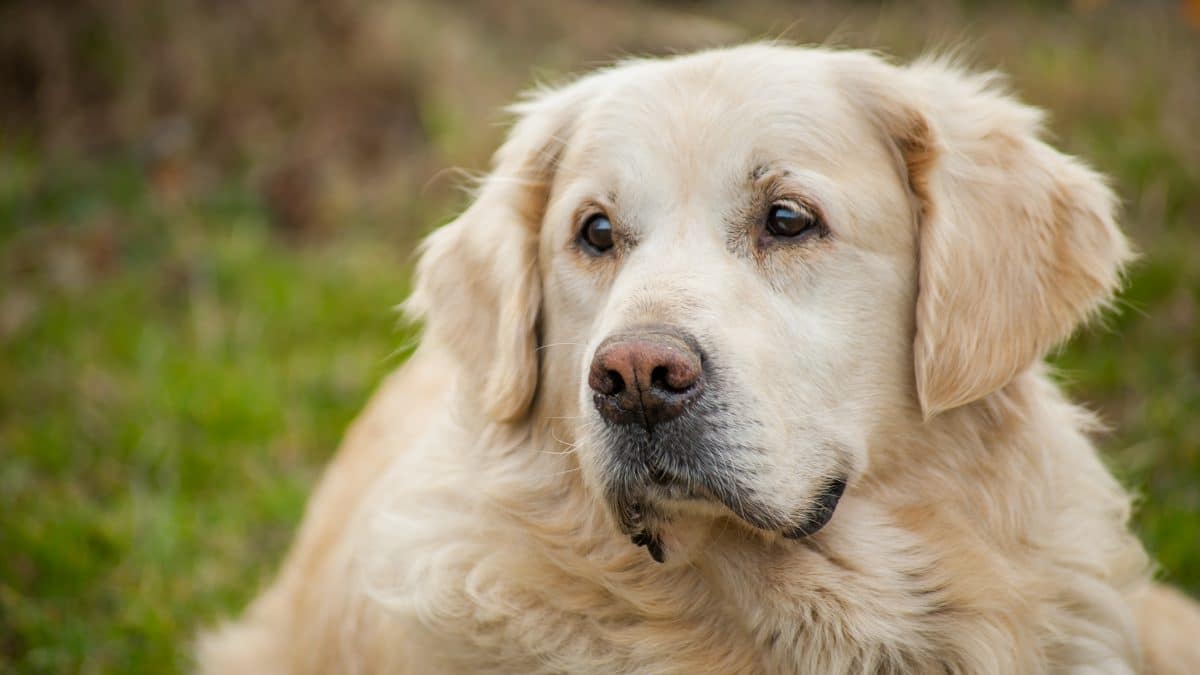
566,471
571,447
559,344
562,442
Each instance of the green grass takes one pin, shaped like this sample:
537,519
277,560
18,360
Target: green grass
176,365
169,394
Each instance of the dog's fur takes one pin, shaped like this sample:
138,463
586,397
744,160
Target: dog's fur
474,522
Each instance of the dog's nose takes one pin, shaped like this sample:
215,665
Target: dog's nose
645,376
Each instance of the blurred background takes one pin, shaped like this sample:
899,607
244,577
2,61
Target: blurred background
207,212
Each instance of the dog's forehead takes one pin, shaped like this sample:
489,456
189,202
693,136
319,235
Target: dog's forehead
717,116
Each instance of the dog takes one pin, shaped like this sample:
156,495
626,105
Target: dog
734,365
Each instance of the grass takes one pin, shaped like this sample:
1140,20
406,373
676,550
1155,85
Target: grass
180,355
175,381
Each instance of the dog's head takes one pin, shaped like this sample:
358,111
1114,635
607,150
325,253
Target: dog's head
735,273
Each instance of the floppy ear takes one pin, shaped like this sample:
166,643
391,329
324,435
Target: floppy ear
477,283
1017,241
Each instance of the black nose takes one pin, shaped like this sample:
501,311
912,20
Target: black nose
646,375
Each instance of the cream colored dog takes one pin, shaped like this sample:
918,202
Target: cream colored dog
734,366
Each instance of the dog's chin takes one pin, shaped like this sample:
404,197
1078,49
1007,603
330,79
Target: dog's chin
666,513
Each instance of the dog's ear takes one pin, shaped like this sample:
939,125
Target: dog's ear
477,282
1017,241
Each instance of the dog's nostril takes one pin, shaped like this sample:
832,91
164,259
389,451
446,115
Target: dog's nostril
616,383
658,378
675,378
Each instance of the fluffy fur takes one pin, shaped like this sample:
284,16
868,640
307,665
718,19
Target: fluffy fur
469,524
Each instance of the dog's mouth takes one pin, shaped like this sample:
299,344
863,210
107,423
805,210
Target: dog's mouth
642,506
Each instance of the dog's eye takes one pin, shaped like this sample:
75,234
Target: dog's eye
597,233
790,220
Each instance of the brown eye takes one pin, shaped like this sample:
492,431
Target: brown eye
785,220
597,233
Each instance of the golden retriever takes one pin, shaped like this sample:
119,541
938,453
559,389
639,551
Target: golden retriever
734,366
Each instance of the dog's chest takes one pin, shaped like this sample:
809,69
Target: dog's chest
501,607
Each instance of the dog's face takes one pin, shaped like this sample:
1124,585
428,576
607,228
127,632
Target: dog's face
734,252
736,273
